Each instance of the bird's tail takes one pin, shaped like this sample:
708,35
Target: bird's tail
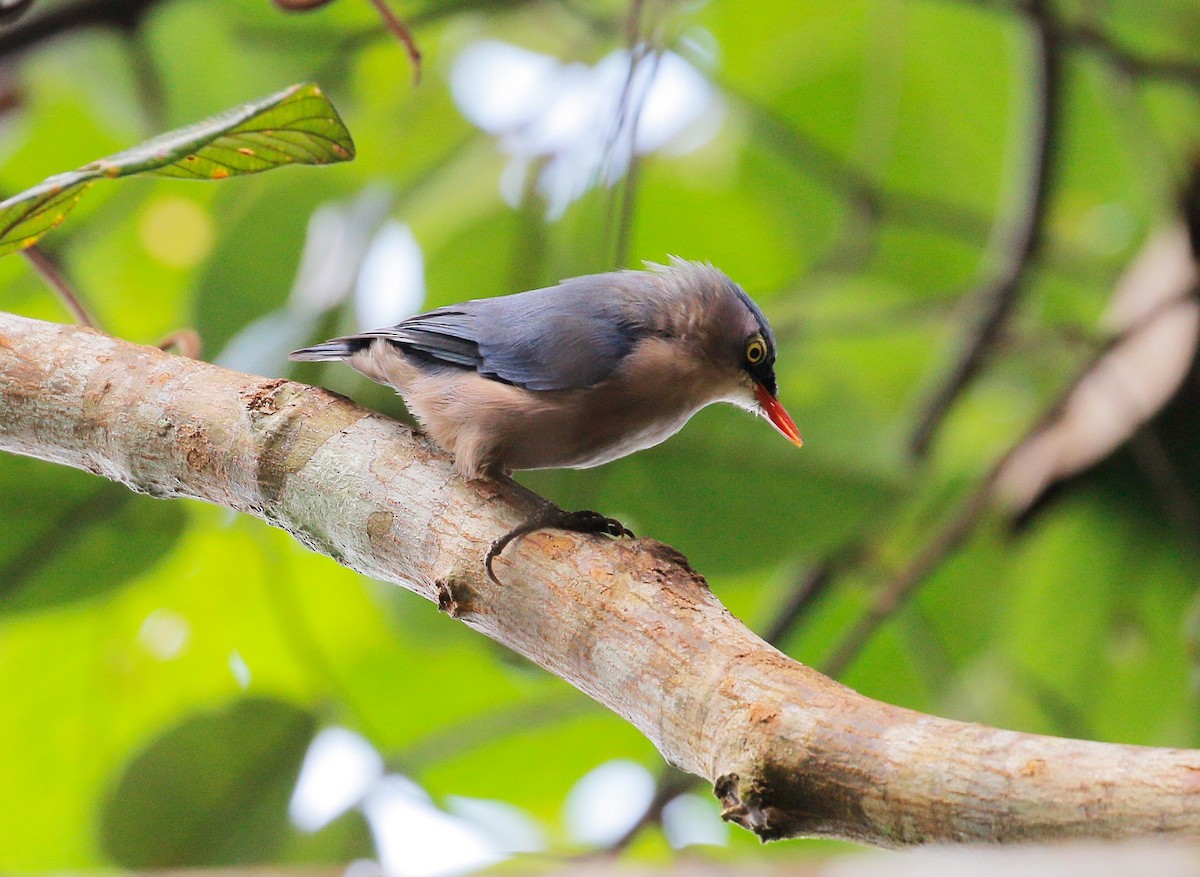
330,351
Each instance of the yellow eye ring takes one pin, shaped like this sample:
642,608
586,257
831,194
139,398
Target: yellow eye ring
756,350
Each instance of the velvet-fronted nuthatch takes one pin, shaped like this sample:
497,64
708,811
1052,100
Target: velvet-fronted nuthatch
574,375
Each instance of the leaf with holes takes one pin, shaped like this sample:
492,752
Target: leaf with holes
295,126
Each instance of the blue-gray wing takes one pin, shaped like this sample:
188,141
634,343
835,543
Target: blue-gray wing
564,337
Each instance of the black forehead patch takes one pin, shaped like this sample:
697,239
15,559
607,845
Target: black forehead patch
764,327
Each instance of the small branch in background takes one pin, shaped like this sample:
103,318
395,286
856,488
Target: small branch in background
528,256
62,18
185,342
398,28
1089,38
1167,482
672,782
67,528
11,96
857,240
958,528
403,34
1165,304
50,272
833,172
623,211
1155,317
809,588
146,75
1148,366
11,10
1124,382
998,298
633,23
628,113
1095,41
906,583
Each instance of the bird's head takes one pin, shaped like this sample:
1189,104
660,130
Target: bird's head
753,346
724,325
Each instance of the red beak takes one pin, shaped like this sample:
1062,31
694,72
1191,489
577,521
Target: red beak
778,415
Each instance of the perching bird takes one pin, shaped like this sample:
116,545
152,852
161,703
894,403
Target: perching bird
574,375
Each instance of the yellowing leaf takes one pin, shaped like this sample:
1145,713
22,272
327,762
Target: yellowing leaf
295,126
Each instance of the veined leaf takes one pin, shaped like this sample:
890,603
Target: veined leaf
295,126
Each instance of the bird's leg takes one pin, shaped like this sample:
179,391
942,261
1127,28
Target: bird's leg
550,515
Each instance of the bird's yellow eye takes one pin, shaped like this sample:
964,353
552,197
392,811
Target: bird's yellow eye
756,350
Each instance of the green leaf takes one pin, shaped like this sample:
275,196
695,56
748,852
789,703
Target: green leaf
66,526
211,791
295,126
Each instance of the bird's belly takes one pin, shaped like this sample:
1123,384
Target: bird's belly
486,423
607,435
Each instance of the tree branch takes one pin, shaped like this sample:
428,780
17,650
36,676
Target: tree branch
57,281
789,751
1023,241
121,14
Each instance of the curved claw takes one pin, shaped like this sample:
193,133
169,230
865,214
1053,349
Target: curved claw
500,544
585,521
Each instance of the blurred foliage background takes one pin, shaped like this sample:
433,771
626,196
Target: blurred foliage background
937,203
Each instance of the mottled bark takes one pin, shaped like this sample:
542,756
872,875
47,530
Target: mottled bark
790,752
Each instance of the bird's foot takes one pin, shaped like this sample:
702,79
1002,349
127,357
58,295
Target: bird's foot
550,515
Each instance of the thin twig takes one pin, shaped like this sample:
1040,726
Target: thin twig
11,10
872,201
46,267
528,251
671,783
832,171
998,297
901,587
1091,39
65,531
147,77
185,342
1097,42
625,211
809,588
401,31
909,579
121,14
857,241
1167,482
628,114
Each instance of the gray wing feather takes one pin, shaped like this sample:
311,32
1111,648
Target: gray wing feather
568,336
445,336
